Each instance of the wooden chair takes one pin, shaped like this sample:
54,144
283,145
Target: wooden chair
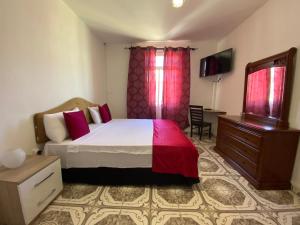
196,114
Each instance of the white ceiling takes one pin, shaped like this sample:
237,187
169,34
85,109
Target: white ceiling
156,20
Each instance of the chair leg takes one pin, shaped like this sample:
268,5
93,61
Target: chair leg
200,133
191,130
209,134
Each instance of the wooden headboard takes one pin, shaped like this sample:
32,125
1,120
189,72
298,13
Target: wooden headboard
82,104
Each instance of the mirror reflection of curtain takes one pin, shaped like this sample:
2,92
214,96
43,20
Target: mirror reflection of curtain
257,98
265,92
277,75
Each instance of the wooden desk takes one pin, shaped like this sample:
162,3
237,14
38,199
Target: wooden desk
214,111
211,115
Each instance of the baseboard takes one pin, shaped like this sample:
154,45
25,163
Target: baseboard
296,188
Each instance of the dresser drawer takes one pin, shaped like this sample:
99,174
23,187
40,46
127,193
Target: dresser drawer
248,136
233,153
242,147
39,190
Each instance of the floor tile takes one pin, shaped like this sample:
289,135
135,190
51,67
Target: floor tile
289,218
224,193
210,166
61,215
82,194
109,216
180,218
211,150
244,219
273,199
202,151
176,197
226,165
125,196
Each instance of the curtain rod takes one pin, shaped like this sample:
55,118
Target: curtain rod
193,49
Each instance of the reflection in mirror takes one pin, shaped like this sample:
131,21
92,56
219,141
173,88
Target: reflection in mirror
265,92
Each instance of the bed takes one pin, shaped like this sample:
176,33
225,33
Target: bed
107,145
123,151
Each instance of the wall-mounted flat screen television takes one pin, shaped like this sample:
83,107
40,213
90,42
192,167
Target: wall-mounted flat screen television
218,63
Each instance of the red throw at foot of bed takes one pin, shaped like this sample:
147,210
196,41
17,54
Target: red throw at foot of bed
173,152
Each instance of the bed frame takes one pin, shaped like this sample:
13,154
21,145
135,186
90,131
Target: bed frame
82,104
102,175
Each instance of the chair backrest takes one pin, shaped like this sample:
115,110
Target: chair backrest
196,113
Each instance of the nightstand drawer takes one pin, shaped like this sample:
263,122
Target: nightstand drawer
39,190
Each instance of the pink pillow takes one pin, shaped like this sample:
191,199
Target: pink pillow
76,124
105,113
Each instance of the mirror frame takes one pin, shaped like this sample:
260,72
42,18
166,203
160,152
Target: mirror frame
286,59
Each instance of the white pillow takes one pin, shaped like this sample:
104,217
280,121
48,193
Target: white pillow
94,111
55,126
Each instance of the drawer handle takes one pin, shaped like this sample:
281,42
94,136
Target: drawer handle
45,199
39,183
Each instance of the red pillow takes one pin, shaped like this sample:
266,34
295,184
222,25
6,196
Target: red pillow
76,124
105,113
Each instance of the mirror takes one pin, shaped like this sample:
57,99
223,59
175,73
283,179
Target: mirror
268,84
265,92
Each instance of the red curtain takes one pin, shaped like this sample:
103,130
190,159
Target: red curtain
257,98
279,73
141,85
176,85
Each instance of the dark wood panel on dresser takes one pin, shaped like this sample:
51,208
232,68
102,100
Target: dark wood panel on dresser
264,155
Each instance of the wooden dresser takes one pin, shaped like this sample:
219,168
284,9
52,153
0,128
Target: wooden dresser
263,155
27,190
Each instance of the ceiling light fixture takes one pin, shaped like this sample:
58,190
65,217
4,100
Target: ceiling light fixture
177,3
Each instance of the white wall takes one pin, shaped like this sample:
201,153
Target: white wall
271,29
47,56
201,88
117,61
117,73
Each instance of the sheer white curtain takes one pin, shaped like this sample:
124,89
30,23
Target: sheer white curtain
159,73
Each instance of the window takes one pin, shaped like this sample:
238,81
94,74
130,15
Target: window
159,73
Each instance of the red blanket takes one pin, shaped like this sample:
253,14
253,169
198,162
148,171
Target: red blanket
173,152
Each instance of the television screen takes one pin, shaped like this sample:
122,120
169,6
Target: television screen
216,64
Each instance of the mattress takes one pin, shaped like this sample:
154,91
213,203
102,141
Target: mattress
120,143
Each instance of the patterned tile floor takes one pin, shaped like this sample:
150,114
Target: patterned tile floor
222,197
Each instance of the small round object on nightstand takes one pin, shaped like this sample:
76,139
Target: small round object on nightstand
13,159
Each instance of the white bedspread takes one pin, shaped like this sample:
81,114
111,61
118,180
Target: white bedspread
120,143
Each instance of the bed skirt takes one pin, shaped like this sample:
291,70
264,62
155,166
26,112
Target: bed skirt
128,176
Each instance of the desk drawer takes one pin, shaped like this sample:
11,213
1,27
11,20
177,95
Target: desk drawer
242,147
39,190
247,136
233,153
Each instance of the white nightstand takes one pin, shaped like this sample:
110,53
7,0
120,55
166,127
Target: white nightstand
27,190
